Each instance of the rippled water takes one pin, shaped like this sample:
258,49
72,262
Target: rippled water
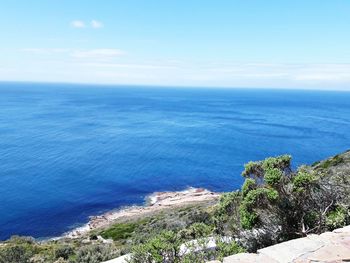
70,151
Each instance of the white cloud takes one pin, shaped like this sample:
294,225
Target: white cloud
45,50
78,24
97,53
128,66
96,24
324,72
94,54
104,55
81,24
105,65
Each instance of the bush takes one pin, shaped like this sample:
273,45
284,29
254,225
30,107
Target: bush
332,162
196,230
21,240
166,245
302,181
248,218
17,253
257,198
226,213
273,176
272,195
337,218
119,231
228,203
248,185
63,251
280,162
96,253
311,218
253,168
226,249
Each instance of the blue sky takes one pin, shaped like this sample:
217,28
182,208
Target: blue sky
223,43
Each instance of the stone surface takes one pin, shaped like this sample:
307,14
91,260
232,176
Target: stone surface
288,251
241,257
329,247
330,253
345,229
122,259
248,258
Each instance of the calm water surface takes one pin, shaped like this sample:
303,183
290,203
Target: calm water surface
70,151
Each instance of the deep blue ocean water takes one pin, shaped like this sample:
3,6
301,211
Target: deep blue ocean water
71,151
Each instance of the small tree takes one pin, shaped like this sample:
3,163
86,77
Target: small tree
296,201
226,213
161,248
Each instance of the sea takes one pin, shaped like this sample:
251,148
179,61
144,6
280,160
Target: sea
69,151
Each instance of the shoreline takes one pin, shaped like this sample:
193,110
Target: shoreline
154,202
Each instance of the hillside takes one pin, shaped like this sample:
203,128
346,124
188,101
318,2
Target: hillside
274,205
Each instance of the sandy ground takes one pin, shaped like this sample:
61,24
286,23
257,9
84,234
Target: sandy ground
156,202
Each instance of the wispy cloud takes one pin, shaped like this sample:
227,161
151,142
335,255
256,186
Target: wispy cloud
324,72
102,54
108,65
45,50
96,24
275,74
128,66
98,53
77,24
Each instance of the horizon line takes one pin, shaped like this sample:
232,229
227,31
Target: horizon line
116,85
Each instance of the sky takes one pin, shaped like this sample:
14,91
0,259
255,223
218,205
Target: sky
216,43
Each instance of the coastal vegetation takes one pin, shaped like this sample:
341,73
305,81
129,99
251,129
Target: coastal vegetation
275,204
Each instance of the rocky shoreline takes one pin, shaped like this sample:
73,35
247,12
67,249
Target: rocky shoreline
154,202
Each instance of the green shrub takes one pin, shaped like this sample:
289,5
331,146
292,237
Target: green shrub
226,249
228,202
273,176
140,253
119,231
226,213
311,218
337,218
302,181
280,162
166,245
96,253
252,168
17,253
196,230
21,240
248,218
258,196
272,195
63,251
332,162
255,199
248,185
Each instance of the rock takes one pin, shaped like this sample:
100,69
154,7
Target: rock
241,257
248,258
203,244
345,229
122,259
330,253
288,251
